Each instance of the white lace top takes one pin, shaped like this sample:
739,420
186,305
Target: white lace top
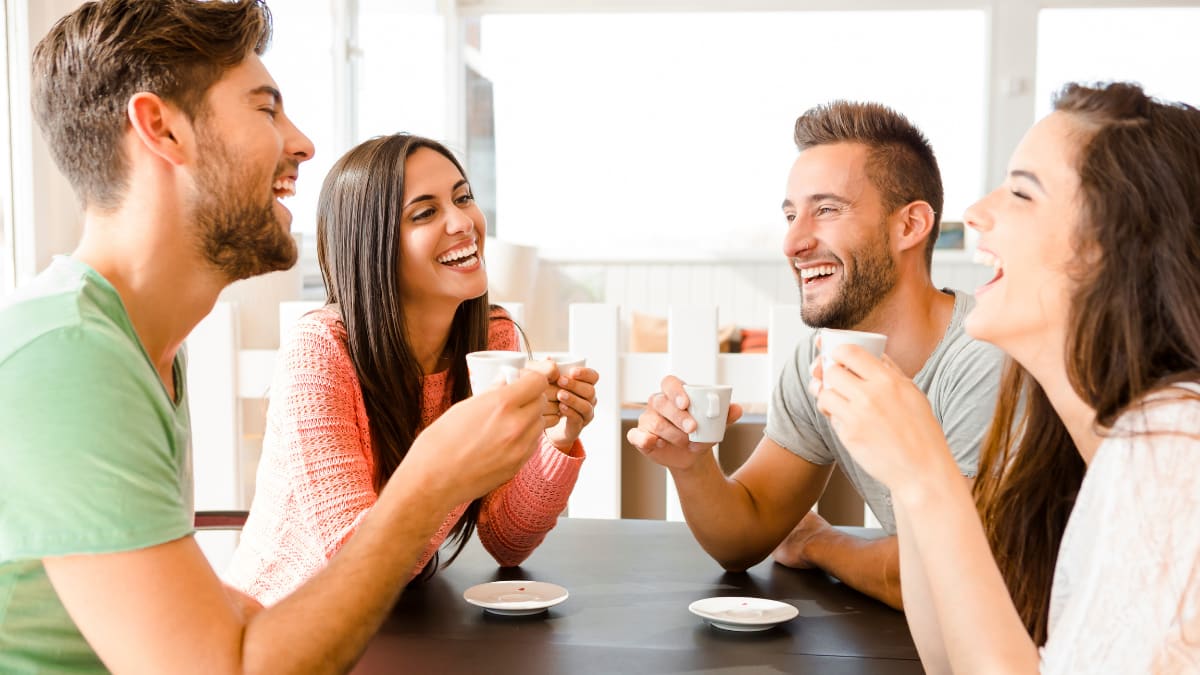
1126,593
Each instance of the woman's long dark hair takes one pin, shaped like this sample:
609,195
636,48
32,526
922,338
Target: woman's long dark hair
1134,323
358,247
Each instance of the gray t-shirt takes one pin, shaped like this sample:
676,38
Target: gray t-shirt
961,379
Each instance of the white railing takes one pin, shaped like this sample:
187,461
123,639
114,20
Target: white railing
220,376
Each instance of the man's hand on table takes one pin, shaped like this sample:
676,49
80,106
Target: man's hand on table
793,551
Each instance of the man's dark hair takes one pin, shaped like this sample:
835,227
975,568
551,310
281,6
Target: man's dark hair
900,163
96,58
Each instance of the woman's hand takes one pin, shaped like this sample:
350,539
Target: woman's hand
571,399
882,418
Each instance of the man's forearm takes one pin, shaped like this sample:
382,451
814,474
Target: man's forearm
721,515
353,594
870,566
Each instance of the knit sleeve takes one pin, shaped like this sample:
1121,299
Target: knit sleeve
517,515
322,430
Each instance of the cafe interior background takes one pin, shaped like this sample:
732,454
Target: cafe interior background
627,152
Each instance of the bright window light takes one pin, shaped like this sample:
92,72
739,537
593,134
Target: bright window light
301,61
402,72
1156,47
673,131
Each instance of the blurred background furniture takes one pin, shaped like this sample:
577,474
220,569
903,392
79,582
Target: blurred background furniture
229,386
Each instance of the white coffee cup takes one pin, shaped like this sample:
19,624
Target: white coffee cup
491,367
709,407
832,337
564,360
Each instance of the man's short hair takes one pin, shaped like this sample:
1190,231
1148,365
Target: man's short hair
96,58
900,161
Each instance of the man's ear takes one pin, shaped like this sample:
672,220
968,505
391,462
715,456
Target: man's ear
162,128
914,225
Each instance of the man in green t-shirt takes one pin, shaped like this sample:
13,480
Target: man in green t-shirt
175,139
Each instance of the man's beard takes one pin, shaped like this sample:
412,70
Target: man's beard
858,294
238,233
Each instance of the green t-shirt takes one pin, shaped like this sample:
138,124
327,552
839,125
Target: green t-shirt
94,455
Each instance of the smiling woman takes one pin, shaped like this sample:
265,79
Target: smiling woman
1087,558
401,244
441,234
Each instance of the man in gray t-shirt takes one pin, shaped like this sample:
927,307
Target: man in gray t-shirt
960,371
862,206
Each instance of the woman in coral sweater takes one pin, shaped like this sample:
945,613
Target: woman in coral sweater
400,242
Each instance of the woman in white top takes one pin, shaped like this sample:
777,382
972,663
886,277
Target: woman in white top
1090,483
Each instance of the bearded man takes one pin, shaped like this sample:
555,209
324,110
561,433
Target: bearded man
174,136
863,206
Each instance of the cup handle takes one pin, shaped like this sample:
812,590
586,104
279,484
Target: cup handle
714,406
510,374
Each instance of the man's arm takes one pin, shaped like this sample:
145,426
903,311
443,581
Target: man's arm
869,566
737,519
163,609
242,602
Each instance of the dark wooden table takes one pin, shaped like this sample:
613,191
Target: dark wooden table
630,583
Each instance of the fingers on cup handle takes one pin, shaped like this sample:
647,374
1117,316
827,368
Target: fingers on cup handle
672,389
667,406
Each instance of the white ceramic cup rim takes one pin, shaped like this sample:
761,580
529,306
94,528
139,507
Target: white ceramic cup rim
563,359
875,343
704,388
495,355
848,332
499,363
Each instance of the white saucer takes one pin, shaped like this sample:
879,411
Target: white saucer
743,614
515,598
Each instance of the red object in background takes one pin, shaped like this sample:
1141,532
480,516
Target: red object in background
754,341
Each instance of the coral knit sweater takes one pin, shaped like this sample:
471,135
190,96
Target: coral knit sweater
314,483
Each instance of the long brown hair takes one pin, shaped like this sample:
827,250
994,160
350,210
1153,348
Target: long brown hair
1134,323
94,59
358,248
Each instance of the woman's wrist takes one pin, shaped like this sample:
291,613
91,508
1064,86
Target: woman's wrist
929,486
562,446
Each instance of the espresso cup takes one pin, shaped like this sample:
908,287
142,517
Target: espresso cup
709,407
565,361
494,366
832,337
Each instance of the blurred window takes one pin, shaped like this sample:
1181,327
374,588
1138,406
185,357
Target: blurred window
673,131
1157,47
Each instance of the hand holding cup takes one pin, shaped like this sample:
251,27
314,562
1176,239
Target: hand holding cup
709,407
882,418
665,425
488,368
570,397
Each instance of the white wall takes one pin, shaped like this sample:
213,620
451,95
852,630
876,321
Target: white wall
45,219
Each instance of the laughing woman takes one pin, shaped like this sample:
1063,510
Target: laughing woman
400,242
1090,560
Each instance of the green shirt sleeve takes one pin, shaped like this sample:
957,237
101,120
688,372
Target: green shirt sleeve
94,453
